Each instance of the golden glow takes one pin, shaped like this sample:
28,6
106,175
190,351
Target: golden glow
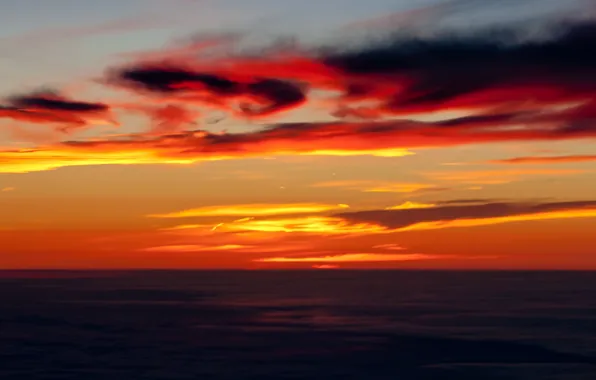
389,247
25,161
351,258
391,152
439,224
194,248
32,160
399,188
411,205
377,186
327,225
323,225
253,210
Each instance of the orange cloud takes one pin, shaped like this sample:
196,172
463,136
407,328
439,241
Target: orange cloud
546,160
194,248
469,215
252,210
380,186
351,258
570,214
391,220
390,247
494,177
319,225
411,205
179,149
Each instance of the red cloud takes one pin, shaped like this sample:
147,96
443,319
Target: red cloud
374,138
509,89
51,108
492,76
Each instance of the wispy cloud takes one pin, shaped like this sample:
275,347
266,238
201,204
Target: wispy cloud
53,109
381,186
546,159
194,248
400,219
493,177
252,210
317,225
351,258
470,215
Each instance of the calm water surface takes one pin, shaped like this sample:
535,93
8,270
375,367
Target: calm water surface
298,325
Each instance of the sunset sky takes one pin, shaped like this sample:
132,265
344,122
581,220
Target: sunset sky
263,134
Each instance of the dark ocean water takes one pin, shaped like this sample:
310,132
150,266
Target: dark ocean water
298,325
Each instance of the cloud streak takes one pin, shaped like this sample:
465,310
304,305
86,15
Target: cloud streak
496,177
380,186
469,215
51,108
405,217
537,160
403,74
351,258
252,210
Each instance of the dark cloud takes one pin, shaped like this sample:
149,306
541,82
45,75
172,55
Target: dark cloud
395,219
173,79
54,109
473,70
502,76
53,102
254,96
467,201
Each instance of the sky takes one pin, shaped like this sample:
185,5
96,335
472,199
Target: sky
262,134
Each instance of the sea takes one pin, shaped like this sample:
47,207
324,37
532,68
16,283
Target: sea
319,324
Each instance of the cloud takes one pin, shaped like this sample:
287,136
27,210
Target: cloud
351,258
486,72
467,201
252,210
391,220
380,186
319,225
194,248
389,247
546,159
54,109
7,189
469,215
182,148
250,96
478,70
494,177
411,205
506,87
383,139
